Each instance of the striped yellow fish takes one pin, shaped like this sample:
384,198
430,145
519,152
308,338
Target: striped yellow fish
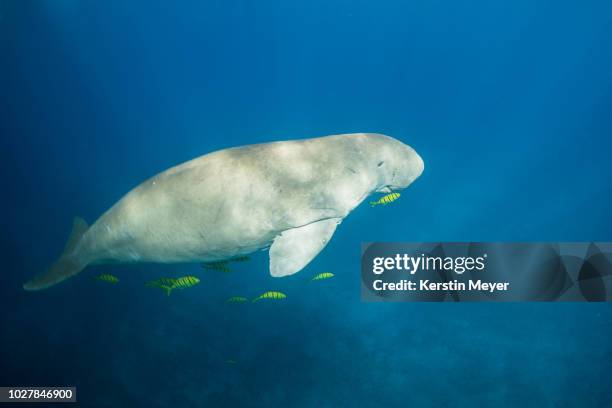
389,198
168,284
237,299
185,282
217,266
162,283
323,275
240,259
107,277
271,295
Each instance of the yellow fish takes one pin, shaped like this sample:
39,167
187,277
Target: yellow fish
168,284
389,198
161,282
237,299
271,295
323,275
217,266
240,259
107,277
185,282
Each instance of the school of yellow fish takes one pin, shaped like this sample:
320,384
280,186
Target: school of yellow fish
168,284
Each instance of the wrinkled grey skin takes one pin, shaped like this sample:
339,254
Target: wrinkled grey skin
235,201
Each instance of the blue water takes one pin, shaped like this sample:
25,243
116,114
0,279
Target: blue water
508,103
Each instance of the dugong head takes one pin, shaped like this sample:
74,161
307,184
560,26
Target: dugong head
397,165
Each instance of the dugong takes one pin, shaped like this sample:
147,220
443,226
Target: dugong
289,196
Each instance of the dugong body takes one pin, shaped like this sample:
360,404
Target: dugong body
288,195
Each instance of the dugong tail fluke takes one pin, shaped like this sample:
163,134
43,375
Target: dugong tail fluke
68,264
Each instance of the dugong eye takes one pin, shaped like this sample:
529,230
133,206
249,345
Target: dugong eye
381,163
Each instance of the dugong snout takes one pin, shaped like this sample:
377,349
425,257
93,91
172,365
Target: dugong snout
398,164
410,169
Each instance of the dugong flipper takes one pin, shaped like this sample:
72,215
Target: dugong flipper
289,196
293,249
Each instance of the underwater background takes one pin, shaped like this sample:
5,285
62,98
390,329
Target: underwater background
508,102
